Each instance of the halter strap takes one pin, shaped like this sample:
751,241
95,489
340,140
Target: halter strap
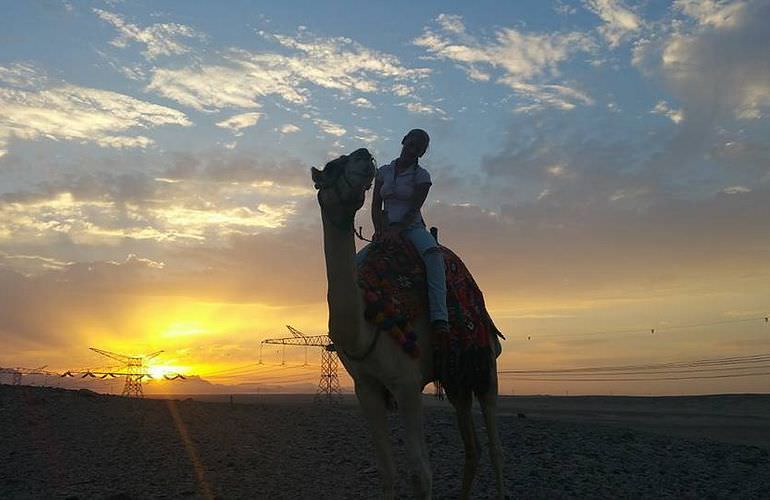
368,349
348,224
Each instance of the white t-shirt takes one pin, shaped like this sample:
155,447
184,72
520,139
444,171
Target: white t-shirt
397,190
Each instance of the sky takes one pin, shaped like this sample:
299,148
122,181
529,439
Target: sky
602,167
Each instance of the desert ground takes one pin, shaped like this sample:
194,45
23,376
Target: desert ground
57,443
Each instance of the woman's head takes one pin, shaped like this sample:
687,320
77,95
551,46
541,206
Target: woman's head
414,143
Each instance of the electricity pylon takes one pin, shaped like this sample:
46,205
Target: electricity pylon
16,373
329,385
134,370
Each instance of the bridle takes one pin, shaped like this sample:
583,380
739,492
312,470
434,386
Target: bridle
347,224
350,204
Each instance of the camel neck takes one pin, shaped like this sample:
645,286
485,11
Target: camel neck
346,319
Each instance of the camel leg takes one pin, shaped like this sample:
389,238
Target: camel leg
488,403
410,404
463,404
372,401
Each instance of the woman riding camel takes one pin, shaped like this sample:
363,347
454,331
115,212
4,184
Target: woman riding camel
400,189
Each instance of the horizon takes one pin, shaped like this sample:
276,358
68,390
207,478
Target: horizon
601,166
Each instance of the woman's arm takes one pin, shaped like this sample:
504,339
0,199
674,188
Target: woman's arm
377,207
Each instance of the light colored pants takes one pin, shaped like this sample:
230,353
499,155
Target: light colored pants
428,249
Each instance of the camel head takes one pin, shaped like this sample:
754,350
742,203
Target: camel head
343,182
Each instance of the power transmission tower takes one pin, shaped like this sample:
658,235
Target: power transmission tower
329,384
134,370
16,373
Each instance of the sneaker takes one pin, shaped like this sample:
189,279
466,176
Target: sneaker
440,327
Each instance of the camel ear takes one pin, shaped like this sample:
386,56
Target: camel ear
318,177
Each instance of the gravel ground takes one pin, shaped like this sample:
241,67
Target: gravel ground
56,443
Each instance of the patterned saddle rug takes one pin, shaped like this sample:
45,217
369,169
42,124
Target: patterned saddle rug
395,291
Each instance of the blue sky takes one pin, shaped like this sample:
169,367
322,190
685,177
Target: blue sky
96,46
590,159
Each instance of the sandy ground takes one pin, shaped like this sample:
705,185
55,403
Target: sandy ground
736,419
70,444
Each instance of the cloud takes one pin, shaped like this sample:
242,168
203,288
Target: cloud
40,312
63,111
719,14
424,109
714,64
29,265
191,202
718,66
237,84
563,248
564,9
662,108
159,39
22,75
548,96
232,292
736,190
330,128
289,128
239,78
743,157
401,89
224,238
528,63
586,205
238,122
366,135
362,102
619,21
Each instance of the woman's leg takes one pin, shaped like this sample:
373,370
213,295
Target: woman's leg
428,249
361,255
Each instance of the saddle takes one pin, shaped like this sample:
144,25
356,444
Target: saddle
395,291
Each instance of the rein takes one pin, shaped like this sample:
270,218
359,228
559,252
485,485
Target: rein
347,225
360,235
368,349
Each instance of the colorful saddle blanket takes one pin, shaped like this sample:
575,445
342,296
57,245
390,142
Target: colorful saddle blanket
395,291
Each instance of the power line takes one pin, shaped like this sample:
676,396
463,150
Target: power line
655,330
225,370
284,378
733,360
646,379
734,366
277,369
653,372
253,369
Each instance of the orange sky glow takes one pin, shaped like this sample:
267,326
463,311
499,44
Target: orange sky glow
602,168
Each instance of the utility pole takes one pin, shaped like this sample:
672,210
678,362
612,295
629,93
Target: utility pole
329,384
134,370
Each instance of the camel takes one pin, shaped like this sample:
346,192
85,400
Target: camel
377,365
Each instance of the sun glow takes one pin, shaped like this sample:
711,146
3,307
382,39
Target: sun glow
184,328
159,371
